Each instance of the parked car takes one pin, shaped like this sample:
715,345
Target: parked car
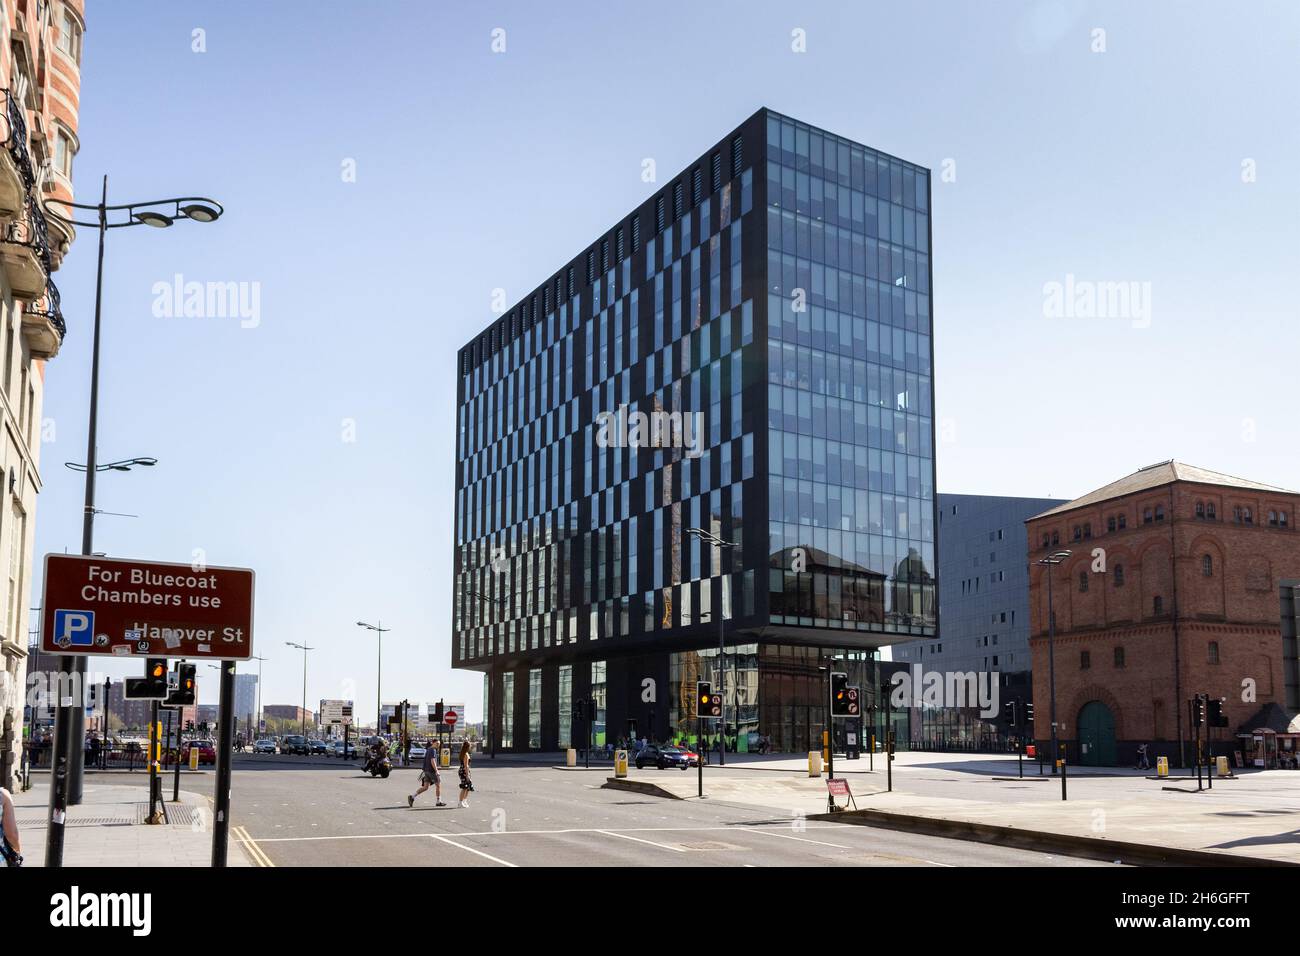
319,747
662,757
264,746
207,751
295,744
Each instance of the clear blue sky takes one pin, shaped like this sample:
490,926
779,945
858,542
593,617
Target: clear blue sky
477,170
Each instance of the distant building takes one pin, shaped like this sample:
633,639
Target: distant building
1179,581
290,712
983,606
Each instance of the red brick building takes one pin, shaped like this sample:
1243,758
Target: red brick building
1173,588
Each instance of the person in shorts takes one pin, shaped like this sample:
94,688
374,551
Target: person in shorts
429,777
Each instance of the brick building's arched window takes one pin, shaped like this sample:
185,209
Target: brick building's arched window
1123,522
1078,533
1087,529
1160,512
1200,509
1085,660
1119,575
1110,523
1146,515
1210,512
1207,566
1047,540
1213,656
1083,580
1281,519
1056,538
1158,605
1119,657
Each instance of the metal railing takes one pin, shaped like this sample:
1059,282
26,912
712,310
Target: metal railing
51,307
16,138
31,230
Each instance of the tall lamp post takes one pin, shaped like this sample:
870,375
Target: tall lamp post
304,648
708,537
259,660
491,728
67,768
1049,562
379,630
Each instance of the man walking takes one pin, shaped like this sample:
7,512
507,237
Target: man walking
429,777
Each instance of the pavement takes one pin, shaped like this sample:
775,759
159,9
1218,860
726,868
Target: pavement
1255,815
107,828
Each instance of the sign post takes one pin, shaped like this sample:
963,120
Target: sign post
225,730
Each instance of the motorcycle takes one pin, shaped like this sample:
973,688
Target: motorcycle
377,766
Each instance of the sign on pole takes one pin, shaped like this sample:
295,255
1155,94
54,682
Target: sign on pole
108,606
335,712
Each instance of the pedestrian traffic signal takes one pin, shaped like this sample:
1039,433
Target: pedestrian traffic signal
1010,713
1029,711
437,713
184,694
707,703
1198,711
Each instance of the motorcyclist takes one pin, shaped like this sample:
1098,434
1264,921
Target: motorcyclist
378,751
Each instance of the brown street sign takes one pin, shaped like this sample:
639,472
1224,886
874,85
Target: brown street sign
123,608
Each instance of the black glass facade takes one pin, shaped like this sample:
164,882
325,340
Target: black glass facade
748,354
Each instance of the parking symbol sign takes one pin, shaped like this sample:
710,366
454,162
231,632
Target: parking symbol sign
74,628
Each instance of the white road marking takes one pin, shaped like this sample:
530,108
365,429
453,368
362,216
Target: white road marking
786,836
624,836
461,846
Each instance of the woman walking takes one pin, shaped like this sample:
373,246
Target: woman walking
466,785
10,847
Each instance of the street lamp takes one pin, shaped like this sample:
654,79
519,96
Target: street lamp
66,775
491,727
259,690
710,538
304,648
124,465
380,630
1049,562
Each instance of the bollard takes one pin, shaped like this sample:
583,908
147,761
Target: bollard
814,763
1221,766
1162,766
571,757
620,763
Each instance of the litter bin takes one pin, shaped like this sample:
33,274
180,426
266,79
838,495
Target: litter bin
444,758
571,757
1162,766
620,763
1221,766
814,763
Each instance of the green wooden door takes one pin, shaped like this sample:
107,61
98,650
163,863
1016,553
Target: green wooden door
1096,735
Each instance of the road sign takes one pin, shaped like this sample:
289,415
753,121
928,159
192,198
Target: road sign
450,717
335,712
108,606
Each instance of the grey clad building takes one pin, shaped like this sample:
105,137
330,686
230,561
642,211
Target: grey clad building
983,599
721,408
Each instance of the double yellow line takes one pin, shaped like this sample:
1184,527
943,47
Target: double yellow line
255,852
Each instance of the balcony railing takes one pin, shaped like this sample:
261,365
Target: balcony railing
31,230
50,307
16,138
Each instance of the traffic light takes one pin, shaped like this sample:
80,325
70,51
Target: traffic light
153,686
184,694
1009,713
1217,717
839,694
437,713
1198,711
1029,711
707,703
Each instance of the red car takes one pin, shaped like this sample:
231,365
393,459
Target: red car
207,751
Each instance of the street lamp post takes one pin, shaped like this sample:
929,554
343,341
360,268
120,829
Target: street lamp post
67,768
1049,562
379,630
259,692
304,648
710,538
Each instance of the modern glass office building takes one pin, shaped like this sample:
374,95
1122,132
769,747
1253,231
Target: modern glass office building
722,408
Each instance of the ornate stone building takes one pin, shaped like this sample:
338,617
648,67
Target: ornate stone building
40,62
1173,587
